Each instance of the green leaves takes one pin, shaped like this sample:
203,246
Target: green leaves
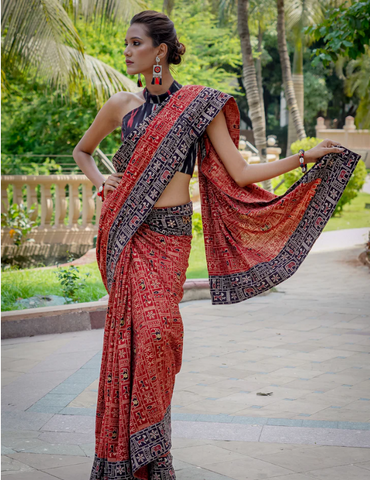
71,282
345,32
18,220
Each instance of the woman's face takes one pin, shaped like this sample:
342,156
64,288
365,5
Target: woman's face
140,51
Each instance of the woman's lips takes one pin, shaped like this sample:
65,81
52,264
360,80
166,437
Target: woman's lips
129,63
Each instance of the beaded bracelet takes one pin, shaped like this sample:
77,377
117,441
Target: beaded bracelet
101,192
301,161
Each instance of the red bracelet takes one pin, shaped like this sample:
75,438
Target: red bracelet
301,161
101,192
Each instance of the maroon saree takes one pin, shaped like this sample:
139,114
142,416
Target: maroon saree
253,239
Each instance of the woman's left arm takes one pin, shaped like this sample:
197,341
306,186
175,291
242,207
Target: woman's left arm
245,174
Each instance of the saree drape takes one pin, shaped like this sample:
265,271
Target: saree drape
253,240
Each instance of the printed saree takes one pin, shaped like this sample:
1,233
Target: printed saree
253,241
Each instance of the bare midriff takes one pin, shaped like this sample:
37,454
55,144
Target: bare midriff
176,192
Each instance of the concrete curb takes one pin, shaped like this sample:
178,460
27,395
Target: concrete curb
76,317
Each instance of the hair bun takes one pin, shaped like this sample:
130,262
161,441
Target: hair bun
180,50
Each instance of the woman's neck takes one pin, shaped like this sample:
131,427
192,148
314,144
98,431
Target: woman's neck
167,81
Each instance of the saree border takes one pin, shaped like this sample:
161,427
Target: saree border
146,446
335,171
170,154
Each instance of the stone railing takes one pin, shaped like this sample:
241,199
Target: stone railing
349,136
64,228
74,221
79,225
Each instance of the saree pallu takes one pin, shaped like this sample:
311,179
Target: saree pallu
253,241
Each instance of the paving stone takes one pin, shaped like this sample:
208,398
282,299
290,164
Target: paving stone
343,471
325,436
257,469
44,461
21,421
70,423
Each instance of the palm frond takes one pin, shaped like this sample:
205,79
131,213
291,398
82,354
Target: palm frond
38,35
42,22
105,80
301,13
104,10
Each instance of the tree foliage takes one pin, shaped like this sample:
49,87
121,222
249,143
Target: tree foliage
345,32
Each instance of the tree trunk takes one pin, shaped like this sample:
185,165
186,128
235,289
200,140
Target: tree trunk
251,87
259,71
298,83
287,74
168,7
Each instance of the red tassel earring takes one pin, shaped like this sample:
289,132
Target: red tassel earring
139,82
157,73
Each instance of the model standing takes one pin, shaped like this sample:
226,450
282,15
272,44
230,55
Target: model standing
253,238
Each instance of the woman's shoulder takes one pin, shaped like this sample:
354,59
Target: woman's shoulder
126,101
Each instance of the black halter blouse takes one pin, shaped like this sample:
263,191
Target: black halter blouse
137,115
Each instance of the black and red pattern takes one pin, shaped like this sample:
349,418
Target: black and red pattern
253,239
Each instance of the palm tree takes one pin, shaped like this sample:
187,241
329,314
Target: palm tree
251,86
39,35
287,74
358,81
300,14
263,13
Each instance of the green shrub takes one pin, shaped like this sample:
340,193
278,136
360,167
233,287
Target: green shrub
17,218
197,224
355,183
294,175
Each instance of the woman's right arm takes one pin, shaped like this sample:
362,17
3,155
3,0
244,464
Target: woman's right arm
108,119
245,174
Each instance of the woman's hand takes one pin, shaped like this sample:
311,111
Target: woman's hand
112,183
323,148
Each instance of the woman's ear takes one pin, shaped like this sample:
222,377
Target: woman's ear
163,49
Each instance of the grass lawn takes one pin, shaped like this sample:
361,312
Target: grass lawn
354,215
26,283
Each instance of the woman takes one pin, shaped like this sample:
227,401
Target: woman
253,238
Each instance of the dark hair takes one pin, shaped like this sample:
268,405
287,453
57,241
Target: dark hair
161,30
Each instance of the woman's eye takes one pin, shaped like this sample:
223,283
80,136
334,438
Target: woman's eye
138,43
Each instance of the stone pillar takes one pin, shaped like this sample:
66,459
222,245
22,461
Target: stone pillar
32,199
74,203
4,197
320,125
46,204
60,204
88,205
17,192
98,205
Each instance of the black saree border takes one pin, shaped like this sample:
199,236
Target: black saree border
334,170
170,154
146,446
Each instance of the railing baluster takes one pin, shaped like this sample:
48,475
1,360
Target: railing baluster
46,204
88,205
74,203
32,199
60,204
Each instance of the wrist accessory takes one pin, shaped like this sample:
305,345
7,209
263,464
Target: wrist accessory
301,161
101,192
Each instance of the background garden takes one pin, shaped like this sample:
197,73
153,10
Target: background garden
49,101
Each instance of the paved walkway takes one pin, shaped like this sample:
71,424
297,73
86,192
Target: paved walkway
277,387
